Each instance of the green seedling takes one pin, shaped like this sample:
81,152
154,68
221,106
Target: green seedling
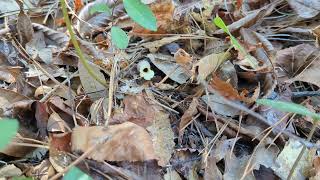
297,109
251,60
100,8
137,11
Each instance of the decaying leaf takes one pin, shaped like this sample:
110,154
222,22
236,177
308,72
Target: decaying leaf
310,74
217,105
212,171
182,57
91,22
210,64
54,38
171,69
91,86
7,98
10,171
127,142
187,116
287,157
24,26
162,137
305,9
152,117
225,89
293,60
36,48
59,159
57,124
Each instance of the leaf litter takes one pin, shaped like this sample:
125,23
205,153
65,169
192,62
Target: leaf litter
181,82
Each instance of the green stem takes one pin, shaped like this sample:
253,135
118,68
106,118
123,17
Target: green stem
77,47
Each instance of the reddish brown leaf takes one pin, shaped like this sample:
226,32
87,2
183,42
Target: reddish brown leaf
225,89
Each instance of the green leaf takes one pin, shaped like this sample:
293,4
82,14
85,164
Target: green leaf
141,14
8,129
219,22
75,174
235,43
100,8
119,37
289,107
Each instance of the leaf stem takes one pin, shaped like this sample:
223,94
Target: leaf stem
77,47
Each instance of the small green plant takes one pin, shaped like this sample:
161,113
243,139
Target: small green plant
75,173
119,37
297,109
8,129
251,60
137,11
100,8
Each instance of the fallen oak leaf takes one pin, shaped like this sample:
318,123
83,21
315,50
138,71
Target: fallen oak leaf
127,142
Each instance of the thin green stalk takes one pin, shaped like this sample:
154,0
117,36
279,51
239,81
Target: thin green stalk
77,47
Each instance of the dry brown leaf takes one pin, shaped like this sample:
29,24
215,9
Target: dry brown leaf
91,22
56,124
175,71
24,26
7,98
187,116
163,12
6,75
182,57
210,64
91,86
212,171
225,89
136,110
316,168
42,90
59,159
155,45
305,9
162,137
44,170
78,5
60,141
310,74
127,142
58,39
152,117
293,59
